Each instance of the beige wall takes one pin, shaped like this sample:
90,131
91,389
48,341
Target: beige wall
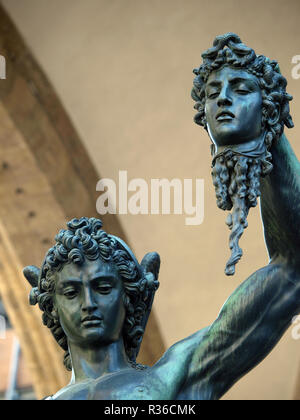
123,69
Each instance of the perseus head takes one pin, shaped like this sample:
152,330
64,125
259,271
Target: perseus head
92,291
242,102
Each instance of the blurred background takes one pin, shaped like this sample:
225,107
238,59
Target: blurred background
97,86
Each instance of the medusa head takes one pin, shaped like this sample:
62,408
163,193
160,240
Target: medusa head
242,102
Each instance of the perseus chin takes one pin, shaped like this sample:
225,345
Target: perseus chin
242,102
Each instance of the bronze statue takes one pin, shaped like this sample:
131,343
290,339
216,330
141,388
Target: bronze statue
96,297
242,102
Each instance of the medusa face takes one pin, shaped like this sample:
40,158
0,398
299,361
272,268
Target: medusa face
89,302
233,106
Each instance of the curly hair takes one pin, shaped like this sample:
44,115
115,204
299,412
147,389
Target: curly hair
236,176
229,50
85,239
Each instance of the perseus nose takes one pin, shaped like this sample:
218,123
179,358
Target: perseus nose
88,303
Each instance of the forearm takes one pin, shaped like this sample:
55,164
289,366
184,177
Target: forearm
260,310
280,204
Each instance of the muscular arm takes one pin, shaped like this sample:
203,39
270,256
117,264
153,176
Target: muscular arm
280,205
257,314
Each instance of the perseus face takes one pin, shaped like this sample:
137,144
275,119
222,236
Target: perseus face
89,301
233,106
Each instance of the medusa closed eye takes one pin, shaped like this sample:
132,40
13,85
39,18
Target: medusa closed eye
243,91
213,95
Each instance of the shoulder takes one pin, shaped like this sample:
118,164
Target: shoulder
187,346
184,349
173,368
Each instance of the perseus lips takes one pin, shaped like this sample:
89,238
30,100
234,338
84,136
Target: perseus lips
90,321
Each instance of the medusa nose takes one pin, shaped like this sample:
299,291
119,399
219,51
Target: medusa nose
224,97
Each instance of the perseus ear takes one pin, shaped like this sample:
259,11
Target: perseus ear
274,118
151,264
32,274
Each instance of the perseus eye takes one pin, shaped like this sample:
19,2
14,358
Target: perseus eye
70,293
104,289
